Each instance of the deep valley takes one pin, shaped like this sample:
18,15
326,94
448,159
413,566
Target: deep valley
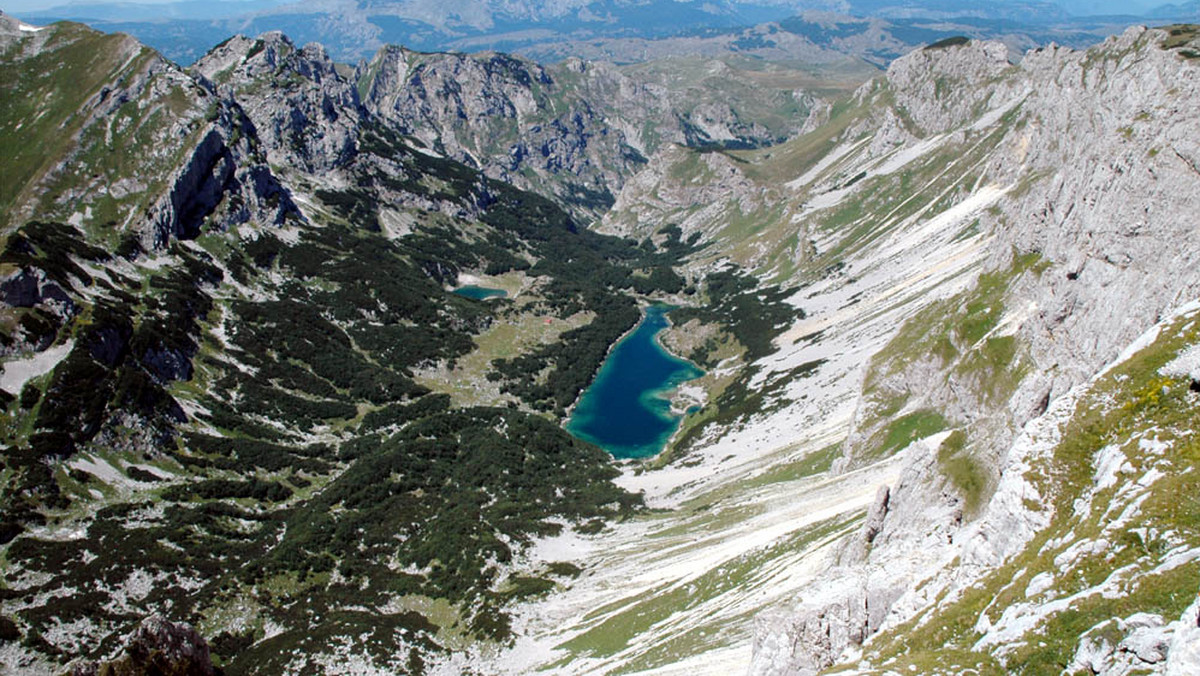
290,348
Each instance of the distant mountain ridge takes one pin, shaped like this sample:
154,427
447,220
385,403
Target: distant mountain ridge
353,30
949,318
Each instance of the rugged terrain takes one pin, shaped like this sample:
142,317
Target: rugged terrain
984,368
948,322
218,319
574,131
623,31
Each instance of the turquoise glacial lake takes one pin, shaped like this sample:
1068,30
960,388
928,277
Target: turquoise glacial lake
480,292
625,410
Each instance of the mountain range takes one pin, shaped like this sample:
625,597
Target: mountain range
947,314
617,30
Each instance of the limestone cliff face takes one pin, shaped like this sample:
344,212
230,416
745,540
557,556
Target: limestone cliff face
306,118
1097,159
692,190
305,110
1103,161
1101,186
219,186
941,88
1111,131
196,163
505,115
577,130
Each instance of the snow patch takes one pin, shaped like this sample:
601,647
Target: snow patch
981,199
19,371
990,118
1186,365
901,158
824,163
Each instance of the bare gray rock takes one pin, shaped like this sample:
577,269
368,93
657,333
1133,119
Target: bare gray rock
1101,161
939,89
858,549
505,115
1183,654
578,130
28,287
304,107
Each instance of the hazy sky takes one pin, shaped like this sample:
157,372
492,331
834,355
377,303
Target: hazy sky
1112,6
1080,7
18,7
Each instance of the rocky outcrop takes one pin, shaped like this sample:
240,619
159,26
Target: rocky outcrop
858,549
908,532
219,186
157,646
28,287
577,130
831,623
684,187
940,88
1183,653
1146,643
198,188
306,116
198,164
305,108
505,115
1111,133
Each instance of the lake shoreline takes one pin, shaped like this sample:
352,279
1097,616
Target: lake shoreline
570,410
640,393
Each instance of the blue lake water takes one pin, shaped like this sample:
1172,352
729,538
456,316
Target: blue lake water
480,292
625,410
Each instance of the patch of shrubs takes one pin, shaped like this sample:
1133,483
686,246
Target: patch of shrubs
221,489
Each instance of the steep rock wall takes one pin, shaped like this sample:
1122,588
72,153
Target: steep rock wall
1102,186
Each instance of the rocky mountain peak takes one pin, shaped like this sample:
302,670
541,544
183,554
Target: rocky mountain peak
103,92
304,107
252,57
12,27
472,88
941,86
506,115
